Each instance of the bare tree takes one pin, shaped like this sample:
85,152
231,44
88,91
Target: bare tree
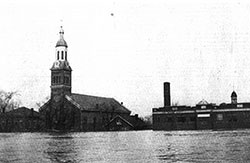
148,119
7,101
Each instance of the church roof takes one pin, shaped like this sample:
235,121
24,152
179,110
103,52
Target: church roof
61,42
95,103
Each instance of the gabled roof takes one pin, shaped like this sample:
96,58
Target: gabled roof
44,105
203,102
94,103
119,117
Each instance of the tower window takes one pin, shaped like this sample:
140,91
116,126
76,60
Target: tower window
65,55
66,79
53,80
62,54
57,55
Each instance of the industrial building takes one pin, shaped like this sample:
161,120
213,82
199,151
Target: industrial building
203,116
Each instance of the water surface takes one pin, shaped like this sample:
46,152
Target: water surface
131,146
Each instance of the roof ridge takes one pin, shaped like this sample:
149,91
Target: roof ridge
125,120
121,105
72,101
91,95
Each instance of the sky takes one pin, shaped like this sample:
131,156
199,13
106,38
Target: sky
127,49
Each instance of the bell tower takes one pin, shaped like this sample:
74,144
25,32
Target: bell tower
60,70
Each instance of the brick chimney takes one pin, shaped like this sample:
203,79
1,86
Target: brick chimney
167,100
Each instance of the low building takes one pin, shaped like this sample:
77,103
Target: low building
126,123
20,120
202,116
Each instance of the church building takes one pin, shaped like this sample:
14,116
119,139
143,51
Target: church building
78,112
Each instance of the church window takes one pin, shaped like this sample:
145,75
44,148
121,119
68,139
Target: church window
57,55
62,54
53,79
65,55
59,79
66,79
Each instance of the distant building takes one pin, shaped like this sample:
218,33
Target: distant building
202,116
20,120
78,112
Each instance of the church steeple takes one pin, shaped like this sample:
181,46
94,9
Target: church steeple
61,70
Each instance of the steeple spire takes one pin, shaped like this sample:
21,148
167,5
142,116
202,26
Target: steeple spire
61,41
61,32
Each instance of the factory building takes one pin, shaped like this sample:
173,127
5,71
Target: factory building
203,116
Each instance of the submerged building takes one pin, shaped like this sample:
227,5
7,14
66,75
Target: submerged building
20,120
203,116
78,112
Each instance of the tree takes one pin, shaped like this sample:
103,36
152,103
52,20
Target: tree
7,101
148,119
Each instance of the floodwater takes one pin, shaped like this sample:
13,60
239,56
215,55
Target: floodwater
131,146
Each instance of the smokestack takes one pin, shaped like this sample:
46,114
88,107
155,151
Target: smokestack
167,94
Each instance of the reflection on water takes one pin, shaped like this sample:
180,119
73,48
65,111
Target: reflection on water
61,148
132,146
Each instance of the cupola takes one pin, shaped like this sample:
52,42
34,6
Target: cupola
234,98
61,41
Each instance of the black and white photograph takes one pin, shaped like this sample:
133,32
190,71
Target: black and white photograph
124,81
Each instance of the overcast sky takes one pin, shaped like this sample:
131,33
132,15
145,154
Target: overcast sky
127,49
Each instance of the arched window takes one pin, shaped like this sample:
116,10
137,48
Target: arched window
57,55
62,54
66,55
